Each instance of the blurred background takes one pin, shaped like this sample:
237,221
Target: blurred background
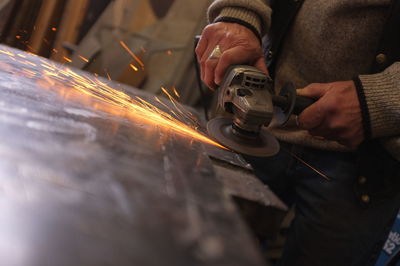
147,44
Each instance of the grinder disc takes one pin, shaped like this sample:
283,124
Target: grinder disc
263,145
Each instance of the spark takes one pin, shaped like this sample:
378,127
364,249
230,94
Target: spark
84,59
184,114
131,53
6,53
67,59
108,75
169,52
308,165
176,92
54,29
55,76
29,47
26,62
29,72
166,93
134,68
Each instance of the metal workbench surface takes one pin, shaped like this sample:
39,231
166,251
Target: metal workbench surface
83,183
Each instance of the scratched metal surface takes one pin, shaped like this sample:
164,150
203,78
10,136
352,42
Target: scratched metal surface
81,184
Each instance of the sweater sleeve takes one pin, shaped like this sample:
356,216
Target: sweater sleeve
381,96
256,14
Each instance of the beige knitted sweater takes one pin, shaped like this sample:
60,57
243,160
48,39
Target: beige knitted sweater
329,41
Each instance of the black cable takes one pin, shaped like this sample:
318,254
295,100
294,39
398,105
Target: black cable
199,82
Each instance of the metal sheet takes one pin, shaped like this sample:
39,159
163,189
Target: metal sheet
82,183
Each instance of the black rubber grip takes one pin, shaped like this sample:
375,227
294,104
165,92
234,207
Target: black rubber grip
301,104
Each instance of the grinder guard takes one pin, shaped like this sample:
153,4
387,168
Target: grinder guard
246,92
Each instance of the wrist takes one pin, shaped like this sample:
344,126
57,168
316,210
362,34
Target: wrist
241,16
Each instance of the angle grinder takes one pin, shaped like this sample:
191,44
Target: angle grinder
248,95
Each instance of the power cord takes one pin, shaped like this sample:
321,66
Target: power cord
199,82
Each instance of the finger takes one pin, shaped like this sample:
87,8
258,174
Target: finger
205,57
261,65
209,71
312,117
234,56
314,90
201,47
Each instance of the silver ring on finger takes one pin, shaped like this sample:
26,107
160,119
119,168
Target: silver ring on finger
216,53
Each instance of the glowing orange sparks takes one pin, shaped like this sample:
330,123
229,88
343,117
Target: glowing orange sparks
134,68
308,165
94,87
131,53
67,59
108,76
176,92
84,59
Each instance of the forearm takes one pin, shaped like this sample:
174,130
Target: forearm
255,14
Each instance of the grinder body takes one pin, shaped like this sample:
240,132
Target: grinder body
247,94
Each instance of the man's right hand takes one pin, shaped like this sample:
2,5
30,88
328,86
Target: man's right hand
239,45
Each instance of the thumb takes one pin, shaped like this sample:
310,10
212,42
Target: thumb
314,90
311,117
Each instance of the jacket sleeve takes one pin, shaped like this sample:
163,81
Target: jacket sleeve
255,14
379,96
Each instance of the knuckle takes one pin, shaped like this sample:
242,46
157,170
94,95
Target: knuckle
225,59
203,62
208,29
212,30
197,49
209,63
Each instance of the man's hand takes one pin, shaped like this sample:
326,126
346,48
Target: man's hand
239,45
336,115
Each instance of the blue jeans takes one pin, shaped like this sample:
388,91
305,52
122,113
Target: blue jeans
340,222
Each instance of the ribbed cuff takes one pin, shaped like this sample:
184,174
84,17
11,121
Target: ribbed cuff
382,96
241,22
243,17
254,12
364,108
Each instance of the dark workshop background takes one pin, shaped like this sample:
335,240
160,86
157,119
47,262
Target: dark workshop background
87,34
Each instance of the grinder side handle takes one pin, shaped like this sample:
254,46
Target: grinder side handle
301,104
289,103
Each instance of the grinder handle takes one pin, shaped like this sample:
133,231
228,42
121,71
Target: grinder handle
301,104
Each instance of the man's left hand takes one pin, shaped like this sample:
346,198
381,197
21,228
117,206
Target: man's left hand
336,115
